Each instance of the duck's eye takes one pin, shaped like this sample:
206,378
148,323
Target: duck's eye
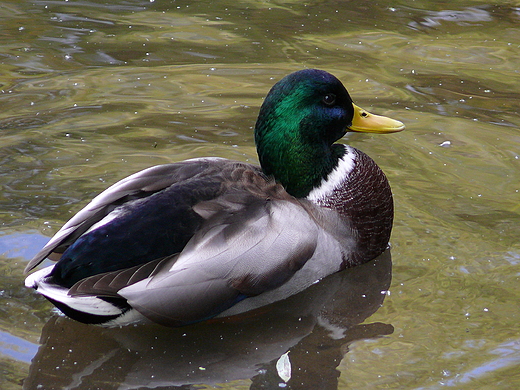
329,99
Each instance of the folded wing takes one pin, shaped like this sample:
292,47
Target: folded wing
228,260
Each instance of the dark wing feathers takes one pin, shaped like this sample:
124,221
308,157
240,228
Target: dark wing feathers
109,283
138,185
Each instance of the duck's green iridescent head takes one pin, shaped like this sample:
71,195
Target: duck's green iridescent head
299,121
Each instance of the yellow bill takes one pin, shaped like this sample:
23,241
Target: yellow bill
366,122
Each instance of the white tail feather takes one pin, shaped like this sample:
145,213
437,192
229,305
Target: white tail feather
86,304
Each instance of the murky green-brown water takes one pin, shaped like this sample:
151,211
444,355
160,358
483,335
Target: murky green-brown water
91,91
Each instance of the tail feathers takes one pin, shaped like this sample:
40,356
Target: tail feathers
87,309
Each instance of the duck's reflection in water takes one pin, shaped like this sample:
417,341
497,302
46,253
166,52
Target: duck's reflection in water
315,327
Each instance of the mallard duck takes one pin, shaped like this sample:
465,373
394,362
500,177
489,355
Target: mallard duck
180,243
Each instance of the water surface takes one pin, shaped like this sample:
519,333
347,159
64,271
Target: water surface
92,91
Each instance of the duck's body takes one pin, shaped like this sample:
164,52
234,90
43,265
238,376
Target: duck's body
183,242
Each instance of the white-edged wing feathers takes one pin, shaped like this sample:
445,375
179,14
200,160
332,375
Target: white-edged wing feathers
138,185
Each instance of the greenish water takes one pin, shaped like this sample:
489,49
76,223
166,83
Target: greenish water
92,91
